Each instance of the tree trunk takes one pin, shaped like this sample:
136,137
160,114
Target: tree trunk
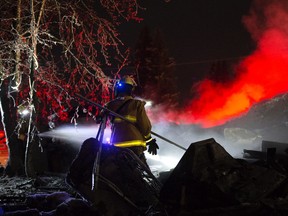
16,148
29,169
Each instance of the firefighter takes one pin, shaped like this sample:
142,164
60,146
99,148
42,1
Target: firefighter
136,136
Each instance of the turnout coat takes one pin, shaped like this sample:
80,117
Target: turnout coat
125,134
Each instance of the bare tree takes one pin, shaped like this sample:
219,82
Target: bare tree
50,49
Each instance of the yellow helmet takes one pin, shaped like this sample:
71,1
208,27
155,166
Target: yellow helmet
125,85
127,80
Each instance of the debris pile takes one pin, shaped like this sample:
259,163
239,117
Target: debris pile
206,181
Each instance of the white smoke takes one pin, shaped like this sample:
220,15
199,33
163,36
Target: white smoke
168,154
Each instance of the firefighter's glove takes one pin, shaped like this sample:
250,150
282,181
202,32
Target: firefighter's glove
152,147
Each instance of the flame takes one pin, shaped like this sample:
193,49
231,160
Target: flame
263,75
260,76
3,149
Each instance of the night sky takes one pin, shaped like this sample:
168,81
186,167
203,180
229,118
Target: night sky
196,33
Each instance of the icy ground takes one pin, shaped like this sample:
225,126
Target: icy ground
21,186
16,193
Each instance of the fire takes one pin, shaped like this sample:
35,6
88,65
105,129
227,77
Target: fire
3,149
260,76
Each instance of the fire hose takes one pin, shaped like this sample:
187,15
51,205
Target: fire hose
127,120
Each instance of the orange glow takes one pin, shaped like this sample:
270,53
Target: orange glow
261,76
3,149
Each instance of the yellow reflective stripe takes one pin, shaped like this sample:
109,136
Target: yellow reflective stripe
128,117
147,136
131,143
148,140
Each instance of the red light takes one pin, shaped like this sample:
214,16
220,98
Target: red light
261,76
3,149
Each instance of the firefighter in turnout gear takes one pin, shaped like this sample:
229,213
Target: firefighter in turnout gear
118,174
135,136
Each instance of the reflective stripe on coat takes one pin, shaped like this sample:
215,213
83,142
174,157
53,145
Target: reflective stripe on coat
125,134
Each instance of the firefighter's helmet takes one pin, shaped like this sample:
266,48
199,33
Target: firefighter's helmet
125,85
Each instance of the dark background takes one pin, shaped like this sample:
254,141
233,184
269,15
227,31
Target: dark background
196,33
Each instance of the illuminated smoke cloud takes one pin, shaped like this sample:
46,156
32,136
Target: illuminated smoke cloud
260,76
